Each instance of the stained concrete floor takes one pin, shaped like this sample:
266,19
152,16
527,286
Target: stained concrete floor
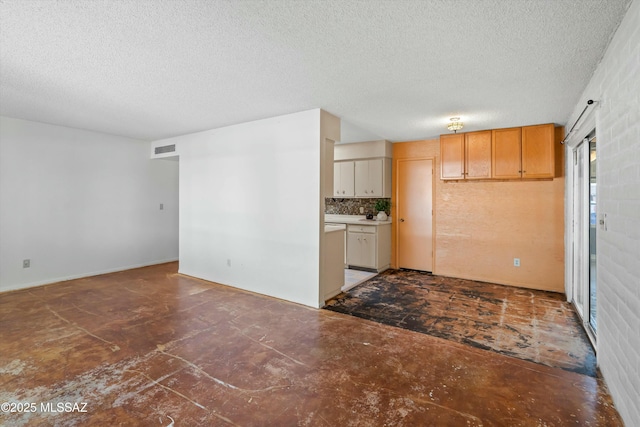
148,346
528,324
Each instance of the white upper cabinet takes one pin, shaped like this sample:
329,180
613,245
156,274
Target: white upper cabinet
343,179
362,169
362,178
369,177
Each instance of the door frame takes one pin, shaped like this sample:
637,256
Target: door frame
394,208
573,143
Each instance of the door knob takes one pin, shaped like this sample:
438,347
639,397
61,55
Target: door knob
401,219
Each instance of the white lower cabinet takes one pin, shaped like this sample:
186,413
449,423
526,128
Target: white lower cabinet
362,249
369,246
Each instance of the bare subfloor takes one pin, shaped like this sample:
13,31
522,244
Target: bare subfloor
148,346
528,324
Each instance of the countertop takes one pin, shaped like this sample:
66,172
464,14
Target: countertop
329,228
353,219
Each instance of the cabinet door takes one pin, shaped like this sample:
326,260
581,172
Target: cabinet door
506,153
362,178
346,179
361,249
452,156
375,177
478,155
537,151
368,253
354,248
336,179
346,176
369,178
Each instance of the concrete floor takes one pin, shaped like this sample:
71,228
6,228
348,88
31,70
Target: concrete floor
148,346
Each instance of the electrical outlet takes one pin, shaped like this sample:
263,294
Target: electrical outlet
228,263
161,206
361,210
516,262
26,263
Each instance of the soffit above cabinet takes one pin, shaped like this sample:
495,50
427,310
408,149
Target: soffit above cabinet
363,150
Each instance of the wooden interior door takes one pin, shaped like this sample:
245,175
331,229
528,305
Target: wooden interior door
414,198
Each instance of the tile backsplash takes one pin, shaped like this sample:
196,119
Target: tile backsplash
350,206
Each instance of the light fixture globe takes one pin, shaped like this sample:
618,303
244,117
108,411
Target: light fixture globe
455,124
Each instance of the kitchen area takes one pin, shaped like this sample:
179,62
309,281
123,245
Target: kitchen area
357,221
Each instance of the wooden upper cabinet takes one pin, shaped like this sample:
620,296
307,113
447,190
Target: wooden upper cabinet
538,159
514,153
477,155
452,156
507,153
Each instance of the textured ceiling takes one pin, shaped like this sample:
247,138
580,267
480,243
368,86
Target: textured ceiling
390,69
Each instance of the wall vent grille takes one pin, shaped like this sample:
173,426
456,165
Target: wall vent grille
166,149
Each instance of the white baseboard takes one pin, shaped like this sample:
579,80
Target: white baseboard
82,275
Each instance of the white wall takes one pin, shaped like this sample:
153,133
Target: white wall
616,85
80,203
250,205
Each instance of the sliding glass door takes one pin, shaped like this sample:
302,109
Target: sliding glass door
579,222
585,219
593,225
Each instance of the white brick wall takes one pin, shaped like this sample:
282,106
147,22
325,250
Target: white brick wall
616,84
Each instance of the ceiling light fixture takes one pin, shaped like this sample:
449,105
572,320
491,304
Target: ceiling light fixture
455,124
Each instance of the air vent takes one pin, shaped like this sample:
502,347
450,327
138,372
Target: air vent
166,149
